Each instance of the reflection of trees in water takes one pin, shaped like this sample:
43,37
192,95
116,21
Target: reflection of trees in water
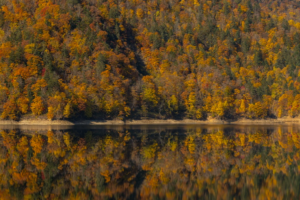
208,163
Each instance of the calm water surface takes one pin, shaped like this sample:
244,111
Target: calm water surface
150,162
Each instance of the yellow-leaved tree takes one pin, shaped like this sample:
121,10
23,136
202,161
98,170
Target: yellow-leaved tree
37,106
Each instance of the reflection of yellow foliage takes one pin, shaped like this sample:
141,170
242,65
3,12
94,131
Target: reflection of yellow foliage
149,152
36,143
202,157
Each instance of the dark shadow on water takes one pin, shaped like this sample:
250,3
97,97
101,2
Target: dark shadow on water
139,181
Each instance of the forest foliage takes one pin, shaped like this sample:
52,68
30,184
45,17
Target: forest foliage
132,59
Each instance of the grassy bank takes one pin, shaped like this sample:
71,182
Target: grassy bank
153,122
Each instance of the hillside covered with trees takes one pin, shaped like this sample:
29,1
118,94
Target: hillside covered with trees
132,59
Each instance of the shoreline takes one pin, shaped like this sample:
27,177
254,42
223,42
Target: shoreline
40,122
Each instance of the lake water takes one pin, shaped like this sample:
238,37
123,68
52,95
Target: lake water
150,162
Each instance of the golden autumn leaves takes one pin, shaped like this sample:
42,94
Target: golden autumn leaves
193,59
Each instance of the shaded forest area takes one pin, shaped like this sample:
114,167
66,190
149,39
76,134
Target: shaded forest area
133,59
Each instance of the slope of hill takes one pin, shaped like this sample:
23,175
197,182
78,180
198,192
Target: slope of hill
132,59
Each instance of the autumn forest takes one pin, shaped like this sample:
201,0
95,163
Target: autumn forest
162,59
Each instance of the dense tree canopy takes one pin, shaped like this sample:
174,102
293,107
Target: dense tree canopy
107,59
